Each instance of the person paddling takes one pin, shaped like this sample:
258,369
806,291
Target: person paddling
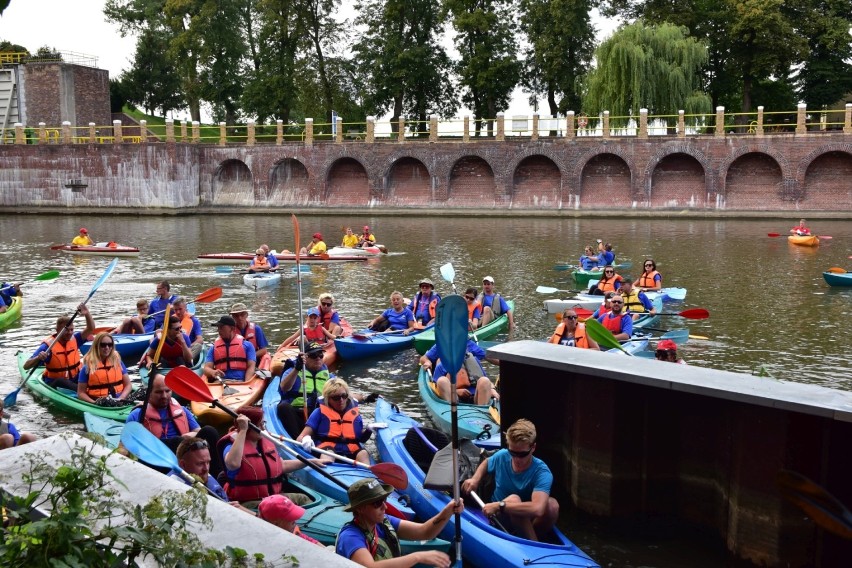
64,361
366,238
801,230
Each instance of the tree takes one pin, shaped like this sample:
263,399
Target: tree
321,30
152,81
488,68
561,40
648,66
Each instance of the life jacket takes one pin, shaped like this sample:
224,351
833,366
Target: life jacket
325,318
379,548
315,384
187,323
580,338
259,263
171,355
608,285
112,244
315,334
632,302
158,425
249,334
341,429
105,380
231,355
613,323
64,362
496,304
647,280
429,307
260,474
471,308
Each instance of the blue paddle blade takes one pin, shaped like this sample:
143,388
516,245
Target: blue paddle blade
147,447
451,333
448,272
103,277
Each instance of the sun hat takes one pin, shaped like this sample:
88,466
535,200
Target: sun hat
426,281
238,308
667,345
366,491
313,347
313,312
225,320
84,230
488,279
318,236
279,508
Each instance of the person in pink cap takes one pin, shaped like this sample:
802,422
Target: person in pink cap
366,239
83,239
283,513
667,351
317,246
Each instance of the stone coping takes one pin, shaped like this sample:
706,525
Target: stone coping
739,387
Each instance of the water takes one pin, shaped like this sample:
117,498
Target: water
768,302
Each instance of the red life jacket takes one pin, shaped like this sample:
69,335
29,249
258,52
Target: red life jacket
64,362
260,474
341,429
105,380
580,338
230,356
249,334
171,354
315,334
647,280
158,425
613,323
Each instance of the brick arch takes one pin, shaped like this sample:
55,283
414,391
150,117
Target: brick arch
407,181
537,181
443,169
783,163
510,172
679,183
290,182
478,190
824,178
759,185
351,187
678,148
574,198
805,162
233,183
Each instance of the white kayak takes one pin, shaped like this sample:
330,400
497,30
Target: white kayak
346,251
590,302
261,280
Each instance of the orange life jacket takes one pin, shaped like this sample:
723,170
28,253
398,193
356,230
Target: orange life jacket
260,263
105,380
580,338
64,362
432,304
341,429
647,280
158,425
260,474
608,285
326,317
472,308
230,356
315,334
186,323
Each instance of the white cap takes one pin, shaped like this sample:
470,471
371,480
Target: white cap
488,279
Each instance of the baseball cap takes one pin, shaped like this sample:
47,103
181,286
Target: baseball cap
313,347
84,230
313,312
279,508
488,279
225,320
253,413
238,308
667,345
366,491
318,236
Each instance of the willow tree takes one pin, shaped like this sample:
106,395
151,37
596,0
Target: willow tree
657,67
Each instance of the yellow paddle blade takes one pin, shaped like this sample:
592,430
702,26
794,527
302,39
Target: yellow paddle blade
836,270
702,337
495,416
162,335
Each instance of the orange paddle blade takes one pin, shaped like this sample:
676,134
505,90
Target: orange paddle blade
836,270
208,296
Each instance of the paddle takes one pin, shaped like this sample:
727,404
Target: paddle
49,275
366,336
207,296
451,325
679,336
836,270
296,237
448,273
825,237
549,290
150,449
820,505
602,335
694,313
390,473
152,372
184,382
12,398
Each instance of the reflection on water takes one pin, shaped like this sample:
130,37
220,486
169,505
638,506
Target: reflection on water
769,304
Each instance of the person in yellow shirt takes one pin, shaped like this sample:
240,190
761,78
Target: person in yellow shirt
317,246
83,239
350,239
366,239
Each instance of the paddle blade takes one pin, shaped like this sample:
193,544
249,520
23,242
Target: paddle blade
147,447
773,235
451,333
208,296
836,270
700,337
391,474
103,278
825,237
184,382
816,502
695,313
602,335
163,335
224,269
49,275
546,290
11,399
448,273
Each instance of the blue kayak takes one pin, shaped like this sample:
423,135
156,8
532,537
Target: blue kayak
130,346
345,473
482,544
367,343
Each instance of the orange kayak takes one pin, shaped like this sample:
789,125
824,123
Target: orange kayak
803,241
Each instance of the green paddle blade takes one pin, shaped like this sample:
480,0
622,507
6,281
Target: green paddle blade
602,335
49,275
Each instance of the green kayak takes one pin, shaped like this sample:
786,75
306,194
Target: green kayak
12,313
65,400
423,341
582,277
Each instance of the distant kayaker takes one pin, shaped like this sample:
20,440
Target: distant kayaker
472,382
190,325
273,260
250,331
372,536
317,246
650,279
801,230
140,323
618,321
313,331
425,302
157,306
83,239
329,317
366,238
8,290
231,357
103,378
63,362
636,301
260,263
493,305
588,261
522,484
9,435
396,317
605,255
278,510
350,239
572,333
667,351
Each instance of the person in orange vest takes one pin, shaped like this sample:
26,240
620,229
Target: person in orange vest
63,362
572,333
260,263
231,357
103,376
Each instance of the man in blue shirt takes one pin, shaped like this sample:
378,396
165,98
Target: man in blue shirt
493,305
157,307
229,358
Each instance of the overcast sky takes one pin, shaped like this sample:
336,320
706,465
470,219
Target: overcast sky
79,26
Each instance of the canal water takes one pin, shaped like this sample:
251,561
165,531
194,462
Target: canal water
769,305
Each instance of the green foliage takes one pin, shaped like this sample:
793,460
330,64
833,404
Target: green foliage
647,66
9,47
117,96
88,525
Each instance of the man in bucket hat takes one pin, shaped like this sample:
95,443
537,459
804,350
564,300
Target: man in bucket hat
424,303
231,357
372,536
250,331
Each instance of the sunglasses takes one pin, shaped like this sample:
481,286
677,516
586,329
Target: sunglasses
649,265
378,504
107,345
316,355
470,298
196,445
616,302
569,317
327,304
338,397
517,454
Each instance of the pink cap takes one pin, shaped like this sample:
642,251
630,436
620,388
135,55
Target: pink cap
279,508
366,228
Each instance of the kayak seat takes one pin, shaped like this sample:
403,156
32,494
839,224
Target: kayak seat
422,451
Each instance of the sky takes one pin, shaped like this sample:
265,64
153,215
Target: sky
79,26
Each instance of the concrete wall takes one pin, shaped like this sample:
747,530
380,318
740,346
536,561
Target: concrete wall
631,438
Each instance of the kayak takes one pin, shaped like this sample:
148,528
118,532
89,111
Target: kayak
131,346
107,428
119,251
365,251
261,280
475,422
591,302
285,257
632,347
425,340
232,394
582,277
345,473
13,313
483,545
368,343
67,400
835,279
803,240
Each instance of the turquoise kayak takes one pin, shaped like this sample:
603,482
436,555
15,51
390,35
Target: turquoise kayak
107,428
12,313
480,423
425,340
66,400
482,544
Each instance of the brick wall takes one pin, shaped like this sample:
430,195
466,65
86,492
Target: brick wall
56,92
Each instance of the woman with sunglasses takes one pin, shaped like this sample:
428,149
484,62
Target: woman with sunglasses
337,424
572,333
588,260
609,282
474,310
103,375
371,538
650,279
329,317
